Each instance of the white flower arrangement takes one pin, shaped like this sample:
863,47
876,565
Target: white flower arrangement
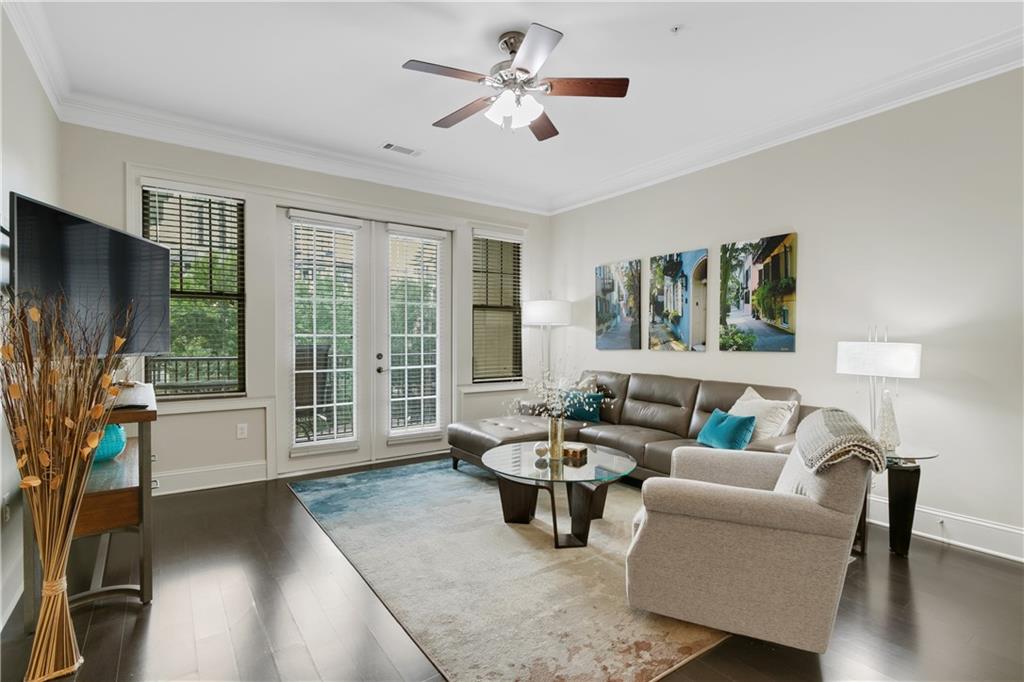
557,396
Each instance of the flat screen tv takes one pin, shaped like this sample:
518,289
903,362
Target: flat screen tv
99,271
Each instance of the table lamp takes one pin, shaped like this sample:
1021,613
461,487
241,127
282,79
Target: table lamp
547,314
880,361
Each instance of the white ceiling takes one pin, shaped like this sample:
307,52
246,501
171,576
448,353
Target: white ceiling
321,86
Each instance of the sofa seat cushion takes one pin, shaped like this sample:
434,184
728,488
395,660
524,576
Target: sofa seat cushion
480,435
629,439
658,455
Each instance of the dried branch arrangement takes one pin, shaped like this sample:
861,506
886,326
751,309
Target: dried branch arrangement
57,384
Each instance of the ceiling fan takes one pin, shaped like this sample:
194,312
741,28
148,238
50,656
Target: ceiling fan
516,82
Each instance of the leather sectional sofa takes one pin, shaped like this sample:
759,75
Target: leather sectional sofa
645,415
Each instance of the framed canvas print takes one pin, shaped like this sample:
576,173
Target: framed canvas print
617,305
757,310
678,301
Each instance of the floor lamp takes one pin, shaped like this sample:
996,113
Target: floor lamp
547,314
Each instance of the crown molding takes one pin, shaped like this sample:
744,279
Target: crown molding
33,29
129,120
984,59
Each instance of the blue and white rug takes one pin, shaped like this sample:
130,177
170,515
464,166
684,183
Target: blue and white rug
488,600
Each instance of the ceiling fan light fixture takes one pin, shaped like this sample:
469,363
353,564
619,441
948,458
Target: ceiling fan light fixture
511,111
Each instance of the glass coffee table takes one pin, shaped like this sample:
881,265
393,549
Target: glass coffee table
520,478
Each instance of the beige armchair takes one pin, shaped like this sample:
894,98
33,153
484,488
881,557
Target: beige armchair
747,542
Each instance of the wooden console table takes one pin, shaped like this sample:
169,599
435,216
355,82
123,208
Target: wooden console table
118,497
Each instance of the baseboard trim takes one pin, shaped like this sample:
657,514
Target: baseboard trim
980,535
202,478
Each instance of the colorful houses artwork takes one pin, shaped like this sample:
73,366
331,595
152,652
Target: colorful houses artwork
678,301
757,305
617,296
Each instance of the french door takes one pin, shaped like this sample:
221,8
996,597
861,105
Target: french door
412,356
370,376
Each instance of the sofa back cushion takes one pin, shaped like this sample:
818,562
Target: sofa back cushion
722,395
613,386
840,487
660,402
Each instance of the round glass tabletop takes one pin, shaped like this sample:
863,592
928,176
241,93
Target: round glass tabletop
518,460
910,455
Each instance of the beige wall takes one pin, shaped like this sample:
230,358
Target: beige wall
94,168
29,142
910,219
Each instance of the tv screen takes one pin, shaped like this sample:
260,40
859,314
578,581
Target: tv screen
100,271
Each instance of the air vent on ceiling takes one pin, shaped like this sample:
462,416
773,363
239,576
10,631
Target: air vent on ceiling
399,149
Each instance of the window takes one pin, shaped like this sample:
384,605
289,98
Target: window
497,314
324,325
414,279
205,235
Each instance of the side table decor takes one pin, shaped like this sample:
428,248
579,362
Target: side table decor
880,360
558,400
57,370
112,444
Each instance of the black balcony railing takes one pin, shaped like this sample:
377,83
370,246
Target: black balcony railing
196,375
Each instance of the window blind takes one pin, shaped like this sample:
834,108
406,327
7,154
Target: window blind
497,310
205,236
414,283
324,328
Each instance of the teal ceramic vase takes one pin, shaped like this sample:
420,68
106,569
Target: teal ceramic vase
112,443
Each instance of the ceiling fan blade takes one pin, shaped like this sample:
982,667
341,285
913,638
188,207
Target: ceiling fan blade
542,128
536,48
438,70
587,87
465,112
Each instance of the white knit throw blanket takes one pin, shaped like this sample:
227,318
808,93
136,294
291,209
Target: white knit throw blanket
829,436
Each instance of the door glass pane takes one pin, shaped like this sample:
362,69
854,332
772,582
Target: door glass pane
323,329
413,286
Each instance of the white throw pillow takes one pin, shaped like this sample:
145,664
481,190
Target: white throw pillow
771,416
587,384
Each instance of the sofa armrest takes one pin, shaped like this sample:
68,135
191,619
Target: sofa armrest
728,467
745,506
780,444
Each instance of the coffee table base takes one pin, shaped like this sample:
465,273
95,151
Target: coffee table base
586,503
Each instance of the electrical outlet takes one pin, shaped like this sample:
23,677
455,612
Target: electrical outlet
241,431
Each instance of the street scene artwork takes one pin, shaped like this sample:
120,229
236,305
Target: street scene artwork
617,296
757,310
678,301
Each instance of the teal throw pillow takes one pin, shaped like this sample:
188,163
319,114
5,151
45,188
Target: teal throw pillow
726,431
584,407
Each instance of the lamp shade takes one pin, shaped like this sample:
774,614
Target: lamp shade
547,313
879,359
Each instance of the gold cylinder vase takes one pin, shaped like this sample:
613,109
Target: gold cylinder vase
556,437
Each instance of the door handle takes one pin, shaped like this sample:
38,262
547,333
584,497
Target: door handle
381,370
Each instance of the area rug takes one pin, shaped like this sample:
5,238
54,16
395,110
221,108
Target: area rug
491,601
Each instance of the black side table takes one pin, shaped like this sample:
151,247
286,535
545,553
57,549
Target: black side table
904,478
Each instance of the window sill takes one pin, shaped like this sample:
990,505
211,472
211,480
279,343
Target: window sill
333,447
496,387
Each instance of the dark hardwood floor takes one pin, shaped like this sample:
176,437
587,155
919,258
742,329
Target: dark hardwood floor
247,587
